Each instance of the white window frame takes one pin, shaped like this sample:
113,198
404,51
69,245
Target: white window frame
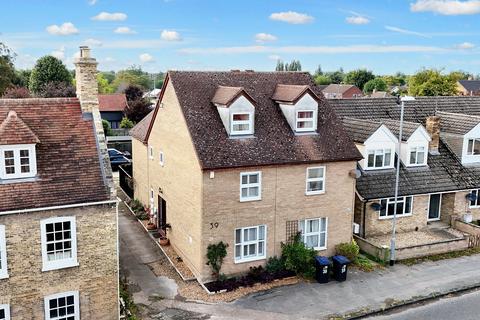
319,233
391,201
76,304
415,149
150,153
377,152
63,263
3,254
6,308
477,201
308,180
16,150
312,119
161,158
243,243
251,185
240,122
470,151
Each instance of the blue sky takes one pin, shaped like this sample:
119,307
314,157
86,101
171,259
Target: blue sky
381,35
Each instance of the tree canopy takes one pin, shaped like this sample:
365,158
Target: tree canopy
49,71
432,82
359,77
295,65
131,76
7,70
377,84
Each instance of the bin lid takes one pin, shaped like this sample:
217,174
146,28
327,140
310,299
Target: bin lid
341,259
323,261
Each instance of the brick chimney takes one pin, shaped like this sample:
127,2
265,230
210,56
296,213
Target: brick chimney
433,129
87,93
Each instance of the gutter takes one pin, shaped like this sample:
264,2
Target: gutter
67,206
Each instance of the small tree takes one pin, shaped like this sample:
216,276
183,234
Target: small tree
126,123
299,258
322,79
359,77
106,128
48,69
56,89
215,255
377,84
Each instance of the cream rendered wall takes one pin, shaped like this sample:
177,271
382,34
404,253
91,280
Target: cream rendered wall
140,171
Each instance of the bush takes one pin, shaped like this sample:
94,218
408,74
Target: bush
16,93
299,258
106,128
126,123
348,250
275,265
215,255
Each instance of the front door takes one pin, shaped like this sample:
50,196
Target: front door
434,207
162,213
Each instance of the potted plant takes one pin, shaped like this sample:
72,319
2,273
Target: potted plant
151,219
163,239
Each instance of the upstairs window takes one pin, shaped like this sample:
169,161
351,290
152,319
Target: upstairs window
241,123
17,161
3,255
305,121
417,156
473,148
379,158
475,203
404,207
62,306
315,180
59,243
250,186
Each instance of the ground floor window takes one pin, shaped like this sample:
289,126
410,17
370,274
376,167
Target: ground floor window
250,243
62,306
314,232
404,207
475,201
4,312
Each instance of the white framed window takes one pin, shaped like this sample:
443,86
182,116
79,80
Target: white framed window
418,156
4,312
3,254
305,120
150,152
379,158
475,203
62,306
250,186
241,123
250,243
18,161
59,243
161,158
404,207
473,148
315,180
314,232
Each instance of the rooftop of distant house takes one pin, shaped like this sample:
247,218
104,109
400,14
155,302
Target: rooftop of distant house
116,102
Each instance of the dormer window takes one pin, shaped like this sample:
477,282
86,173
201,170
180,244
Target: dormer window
17,161
417,156
305,121
379,159
473,148
241,123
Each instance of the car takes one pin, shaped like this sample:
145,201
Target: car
117,158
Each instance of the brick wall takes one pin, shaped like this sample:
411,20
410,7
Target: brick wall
96,277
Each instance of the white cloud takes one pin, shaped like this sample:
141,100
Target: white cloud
314,49
447,7
465,46
124,30
274,57
405,31
93,42
92,2
109,59
357,20
59,54
146,58
292,17
170,35
107,16
264,37
63,30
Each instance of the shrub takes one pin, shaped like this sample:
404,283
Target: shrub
299,258
16,93
126,123
215,255
275,265
348,250
136,205
106,128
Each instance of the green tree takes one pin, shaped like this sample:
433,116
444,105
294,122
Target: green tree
103,84
431,82
47,70
377,84
106,128
131,76
7,71
461,75
295,65
280,66
22,78
322,79
126,123
359,77
336,76
109,75
318,71
398,79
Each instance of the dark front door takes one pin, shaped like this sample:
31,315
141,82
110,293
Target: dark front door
162,213
435,207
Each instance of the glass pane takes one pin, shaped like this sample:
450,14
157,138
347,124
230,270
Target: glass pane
413,155
388,156
245,251
312,241
252,249
253,178
301,226
25,169
244,192
470,146
312,225
315,173
408,205
24,153
305,114
241,127
245,179
383,209
434,207
304,124
400,208
421,157
323,238
238,234
391,207
238,251
8,154
252,234
245,235
476,147
371,158
261,233
323,224
253,192
241,117
315,186
379,160
260,248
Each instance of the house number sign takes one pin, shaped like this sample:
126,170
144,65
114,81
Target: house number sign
213,225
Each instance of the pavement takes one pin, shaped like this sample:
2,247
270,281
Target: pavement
360,294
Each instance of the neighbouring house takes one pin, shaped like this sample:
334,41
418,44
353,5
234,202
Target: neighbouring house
379,94
342,91
468,87
112,107
247,158
58,221
152,96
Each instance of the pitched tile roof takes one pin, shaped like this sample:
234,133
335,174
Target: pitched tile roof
457,123
67,156
14,131
291,93
274,141
470,85
379,94
408,127
337,88
226,95
112,102
139,131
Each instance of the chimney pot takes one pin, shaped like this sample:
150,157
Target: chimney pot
433,129
84,52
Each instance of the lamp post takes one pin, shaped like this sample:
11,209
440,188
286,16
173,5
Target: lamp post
400,101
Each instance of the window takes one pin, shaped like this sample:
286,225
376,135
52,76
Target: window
473,148
417,155
62,306
59,243
314,233
404,207
17,161
4,312
315,180
305,121
380,158
150,152
161,158
115,124
241,123
250,243
250,186
3,255
475,203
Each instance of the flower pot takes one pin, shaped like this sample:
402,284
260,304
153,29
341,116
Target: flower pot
151,226
164,241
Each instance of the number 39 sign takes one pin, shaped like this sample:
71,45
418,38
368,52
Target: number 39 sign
213,225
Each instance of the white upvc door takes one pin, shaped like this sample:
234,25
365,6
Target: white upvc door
434,207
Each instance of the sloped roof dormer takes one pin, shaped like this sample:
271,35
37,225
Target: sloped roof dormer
290,94
225,96
14,131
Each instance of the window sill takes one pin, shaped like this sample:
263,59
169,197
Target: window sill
250,259
398,216
60,266
19,180
4,276
319,248
314,193
379,168
250,199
